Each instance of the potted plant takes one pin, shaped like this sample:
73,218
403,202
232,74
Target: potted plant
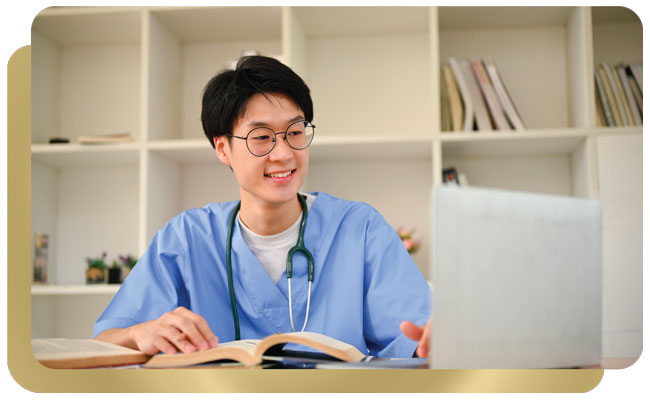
128,262
407,239
96,271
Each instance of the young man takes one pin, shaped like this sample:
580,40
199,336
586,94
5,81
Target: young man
181,297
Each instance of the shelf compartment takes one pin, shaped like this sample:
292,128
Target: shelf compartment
371,75
617,35
86,209
83,26
539,52
555,162
86,72
187,46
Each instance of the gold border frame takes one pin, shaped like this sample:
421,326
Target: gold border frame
33,376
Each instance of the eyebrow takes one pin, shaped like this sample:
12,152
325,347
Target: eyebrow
255,124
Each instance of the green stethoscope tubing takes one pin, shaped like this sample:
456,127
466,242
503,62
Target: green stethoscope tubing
299,247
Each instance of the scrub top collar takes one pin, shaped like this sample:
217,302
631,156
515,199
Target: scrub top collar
265,297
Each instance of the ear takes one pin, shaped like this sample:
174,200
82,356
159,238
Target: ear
222,148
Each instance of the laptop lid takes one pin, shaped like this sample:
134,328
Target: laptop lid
517,280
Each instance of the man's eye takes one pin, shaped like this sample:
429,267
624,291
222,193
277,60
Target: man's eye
263,137
295,133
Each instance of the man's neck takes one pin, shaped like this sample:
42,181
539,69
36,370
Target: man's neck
268,219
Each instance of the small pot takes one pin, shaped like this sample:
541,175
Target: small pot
115,275
95,275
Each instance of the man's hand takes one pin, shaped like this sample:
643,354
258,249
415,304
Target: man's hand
178,330
418,333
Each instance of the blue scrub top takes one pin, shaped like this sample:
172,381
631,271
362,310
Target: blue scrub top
365,282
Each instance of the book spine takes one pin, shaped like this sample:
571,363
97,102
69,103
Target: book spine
445,109
468,122
629,97
617,94
609,116
455,102
600,114
636,90
490,97
482,115
621,93
508,107
637,71
610,97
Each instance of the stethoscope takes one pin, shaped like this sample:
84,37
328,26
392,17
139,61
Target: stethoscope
299,247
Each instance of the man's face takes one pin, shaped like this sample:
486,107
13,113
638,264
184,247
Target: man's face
253,173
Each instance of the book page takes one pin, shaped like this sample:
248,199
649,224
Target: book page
317,341
241,350
245,344
47,349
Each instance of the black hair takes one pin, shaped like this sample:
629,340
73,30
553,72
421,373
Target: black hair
226,95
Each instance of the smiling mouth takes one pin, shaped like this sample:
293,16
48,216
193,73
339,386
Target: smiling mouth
280,174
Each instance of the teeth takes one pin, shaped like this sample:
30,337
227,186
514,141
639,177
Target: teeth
281,175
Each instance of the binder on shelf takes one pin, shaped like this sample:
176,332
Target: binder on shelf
503,95
455,102
468,120
481,113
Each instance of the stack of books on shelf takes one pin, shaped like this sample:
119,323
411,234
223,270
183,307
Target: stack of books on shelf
474,98
619,94
106,138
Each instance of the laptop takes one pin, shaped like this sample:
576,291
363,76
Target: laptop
516,280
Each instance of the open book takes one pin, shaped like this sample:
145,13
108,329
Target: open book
88,353
83,353
250,352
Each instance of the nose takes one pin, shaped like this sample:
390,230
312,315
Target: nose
281,151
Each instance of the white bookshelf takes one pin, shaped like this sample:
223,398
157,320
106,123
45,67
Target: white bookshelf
375,82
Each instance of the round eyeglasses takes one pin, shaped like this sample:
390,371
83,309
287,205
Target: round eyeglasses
261,141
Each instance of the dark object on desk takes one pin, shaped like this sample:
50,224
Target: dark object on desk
450,175
58,140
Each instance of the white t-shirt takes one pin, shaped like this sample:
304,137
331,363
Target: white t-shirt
271,251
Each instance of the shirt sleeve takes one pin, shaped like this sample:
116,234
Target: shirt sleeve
152,288
395,290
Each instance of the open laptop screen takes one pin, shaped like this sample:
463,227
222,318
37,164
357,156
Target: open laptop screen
517,280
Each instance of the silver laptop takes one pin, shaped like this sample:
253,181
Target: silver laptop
516,280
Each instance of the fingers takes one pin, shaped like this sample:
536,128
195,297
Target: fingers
196,334
178,330
411,330
423,345
202,327
419,334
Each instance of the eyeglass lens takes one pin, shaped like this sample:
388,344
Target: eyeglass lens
299,135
